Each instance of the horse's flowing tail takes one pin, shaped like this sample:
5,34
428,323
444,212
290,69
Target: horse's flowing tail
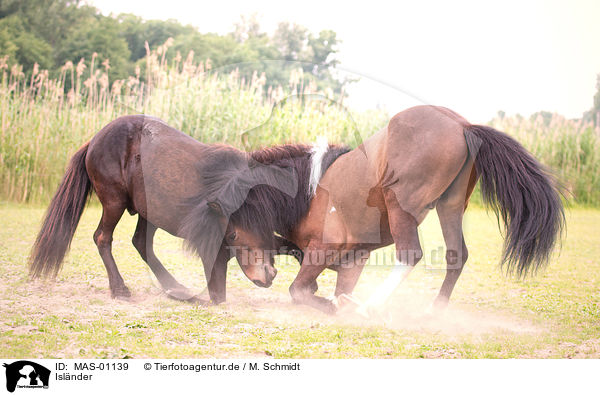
522,193
61,219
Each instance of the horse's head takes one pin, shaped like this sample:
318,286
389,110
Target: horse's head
240,209
254,253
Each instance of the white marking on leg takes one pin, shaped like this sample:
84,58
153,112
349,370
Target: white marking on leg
332,209
317,153
389,285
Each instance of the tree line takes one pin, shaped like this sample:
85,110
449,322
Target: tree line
50,33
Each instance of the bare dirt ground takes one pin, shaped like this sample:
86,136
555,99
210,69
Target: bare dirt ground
554,315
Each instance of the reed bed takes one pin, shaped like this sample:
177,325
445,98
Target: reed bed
570,148
43,123
44,120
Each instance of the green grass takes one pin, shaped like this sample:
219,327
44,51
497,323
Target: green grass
555,314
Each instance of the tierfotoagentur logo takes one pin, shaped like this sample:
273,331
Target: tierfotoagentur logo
26,374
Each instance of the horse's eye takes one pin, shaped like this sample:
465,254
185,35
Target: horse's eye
233,236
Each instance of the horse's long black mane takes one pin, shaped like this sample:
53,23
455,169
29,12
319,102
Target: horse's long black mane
264,191
278,211
281,211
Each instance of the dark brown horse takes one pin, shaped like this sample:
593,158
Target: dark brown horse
376,195
173,182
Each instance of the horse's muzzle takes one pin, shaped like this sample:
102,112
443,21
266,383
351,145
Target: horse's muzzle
263,284
270,273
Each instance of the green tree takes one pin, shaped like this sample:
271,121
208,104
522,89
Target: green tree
52,20
247,28
100,37
221,50
322,47
22,46
132,29
51,32
596,108
7,46
593,115
290,40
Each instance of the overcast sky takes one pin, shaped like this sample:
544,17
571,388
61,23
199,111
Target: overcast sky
475,57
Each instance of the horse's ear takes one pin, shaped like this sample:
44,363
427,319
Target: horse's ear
216,208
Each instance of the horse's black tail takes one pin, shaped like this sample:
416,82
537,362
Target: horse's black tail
61,219
521,192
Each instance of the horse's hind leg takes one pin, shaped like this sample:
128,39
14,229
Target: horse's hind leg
143,242
450,208
111,214
403,229
456,249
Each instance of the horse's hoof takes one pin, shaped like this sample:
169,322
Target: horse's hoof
375,313
314,287
180,293
330,309
198,301
366,311
347,303
121,293
329,305
435,310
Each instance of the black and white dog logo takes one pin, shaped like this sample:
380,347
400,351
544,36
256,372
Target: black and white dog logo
26,374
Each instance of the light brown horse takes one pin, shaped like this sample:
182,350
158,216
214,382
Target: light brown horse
378,194
140,164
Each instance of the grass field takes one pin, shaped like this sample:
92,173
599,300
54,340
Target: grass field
555,314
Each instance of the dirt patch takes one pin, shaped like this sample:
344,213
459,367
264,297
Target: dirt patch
80,309
410,316
64,299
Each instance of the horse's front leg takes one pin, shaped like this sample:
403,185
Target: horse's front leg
348,272
286,247
217,281
302,289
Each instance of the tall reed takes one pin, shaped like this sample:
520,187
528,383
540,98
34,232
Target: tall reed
42,123
570,148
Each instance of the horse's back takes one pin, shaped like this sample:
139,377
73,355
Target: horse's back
419,154
151,166
108,148
121,144
418,126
